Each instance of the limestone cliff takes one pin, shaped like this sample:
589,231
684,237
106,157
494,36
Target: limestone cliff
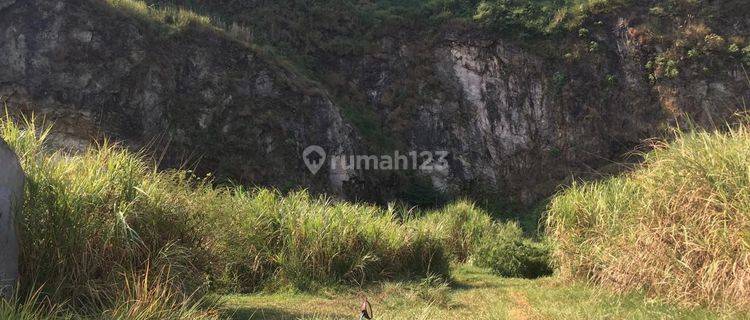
206,99
514,120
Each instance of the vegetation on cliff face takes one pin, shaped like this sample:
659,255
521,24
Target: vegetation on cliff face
676,227
312,32
376,59
265,79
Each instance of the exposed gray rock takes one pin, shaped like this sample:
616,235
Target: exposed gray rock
94,71
11,197
6,3
515,121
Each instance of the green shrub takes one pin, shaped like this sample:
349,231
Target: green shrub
733,48
469,234
506,252
583,32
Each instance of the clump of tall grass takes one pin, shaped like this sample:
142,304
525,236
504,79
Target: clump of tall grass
461,225
150,296
30,307
173,16
91,217
107,235
676,227
313,240
469,234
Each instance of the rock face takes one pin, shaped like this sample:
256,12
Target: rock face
517,123
513,121
96,71
11,198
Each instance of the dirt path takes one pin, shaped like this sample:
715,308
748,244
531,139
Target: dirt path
522,309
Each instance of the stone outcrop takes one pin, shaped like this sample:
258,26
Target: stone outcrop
514,121
11,197
95,71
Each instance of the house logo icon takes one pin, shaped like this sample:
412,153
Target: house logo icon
314,158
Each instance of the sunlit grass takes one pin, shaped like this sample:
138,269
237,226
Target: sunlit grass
176,17
105,233
676,227
474,294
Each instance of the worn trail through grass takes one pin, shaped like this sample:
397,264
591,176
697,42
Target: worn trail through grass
474,294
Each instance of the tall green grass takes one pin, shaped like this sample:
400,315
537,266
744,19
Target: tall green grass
105,210
461,226
94,219
107,235
469,235
175,17
676,227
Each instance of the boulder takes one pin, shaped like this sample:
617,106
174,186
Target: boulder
11,197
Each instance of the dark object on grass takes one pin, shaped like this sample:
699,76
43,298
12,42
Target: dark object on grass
365,310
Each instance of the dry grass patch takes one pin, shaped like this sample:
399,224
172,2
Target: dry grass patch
677,227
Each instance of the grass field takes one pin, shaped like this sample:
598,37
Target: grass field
474,293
